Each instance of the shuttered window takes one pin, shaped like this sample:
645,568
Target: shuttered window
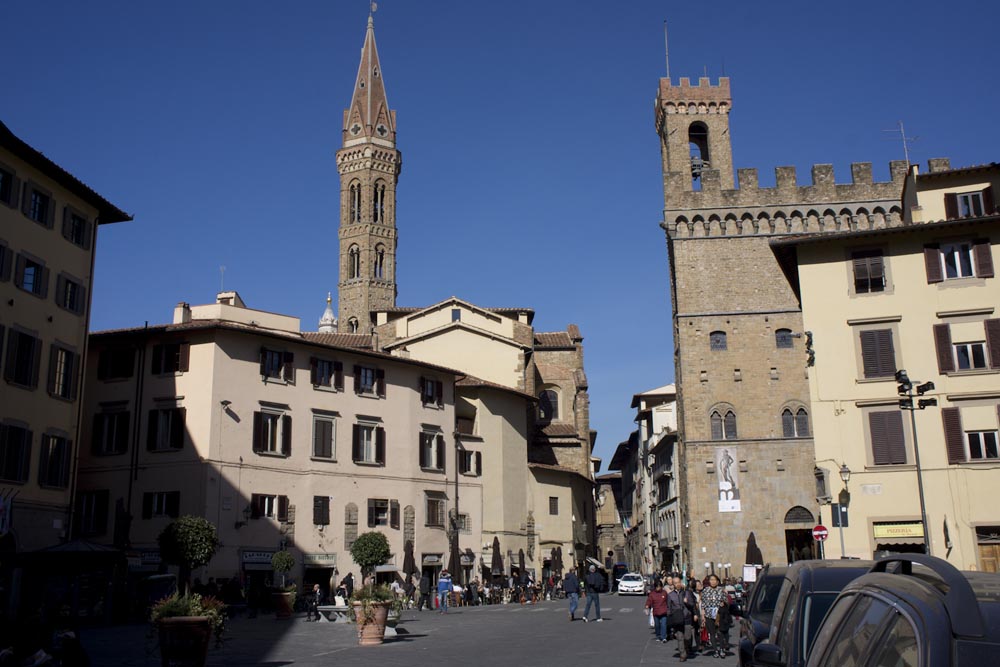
159,504
877,354
92,513
378,512
869,271
55,461
321,510
272,433
23,358
63,368
165,429
954,438
432,455
368,444
71,294
887,437
31,275
170,358
76,228
110,434
324,430
15,452
993,341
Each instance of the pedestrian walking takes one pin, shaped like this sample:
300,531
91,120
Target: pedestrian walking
656,606
444,590
682,613
713,600
571,587
595,582
425,592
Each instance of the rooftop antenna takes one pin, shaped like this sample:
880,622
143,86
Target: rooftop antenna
222,278
906,141
666,48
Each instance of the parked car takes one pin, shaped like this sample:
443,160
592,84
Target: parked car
755,621
913,610
631,584
807,593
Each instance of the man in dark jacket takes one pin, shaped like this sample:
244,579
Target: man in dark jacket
571,586
425,592
683,599
595,582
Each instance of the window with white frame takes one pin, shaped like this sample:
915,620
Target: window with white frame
272,432
62,373
982,445
165,429
269,506
970,204
431,451
969,356
368,444
958,260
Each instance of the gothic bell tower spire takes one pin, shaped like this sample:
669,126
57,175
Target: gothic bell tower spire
369,166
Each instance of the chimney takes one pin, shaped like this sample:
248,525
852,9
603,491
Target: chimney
182,313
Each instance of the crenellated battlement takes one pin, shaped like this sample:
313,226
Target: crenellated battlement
701,92
787,208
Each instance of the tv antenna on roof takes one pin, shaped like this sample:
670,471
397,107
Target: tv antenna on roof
906,141
666,48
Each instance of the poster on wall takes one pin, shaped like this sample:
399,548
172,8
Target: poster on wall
728,475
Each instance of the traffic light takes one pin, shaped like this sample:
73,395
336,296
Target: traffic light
904,385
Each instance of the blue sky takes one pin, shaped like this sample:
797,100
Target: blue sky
531,169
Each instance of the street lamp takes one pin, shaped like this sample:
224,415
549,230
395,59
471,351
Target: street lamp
845,500
905,388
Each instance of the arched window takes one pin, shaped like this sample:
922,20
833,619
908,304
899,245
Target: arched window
723,426
355,202
795,425
353,324
717,340
378,202
698,140
548,405
354,262
379,265
783,338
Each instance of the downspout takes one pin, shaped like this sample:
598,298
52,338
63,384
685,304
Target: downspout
136,424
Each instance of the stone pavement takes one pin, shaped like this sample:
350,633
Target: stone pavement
500,635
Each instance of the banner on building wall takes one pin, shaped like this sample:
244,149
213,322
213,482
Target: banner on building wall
728,475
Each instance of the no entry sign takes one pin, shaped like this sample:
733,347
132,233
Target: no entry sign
820,533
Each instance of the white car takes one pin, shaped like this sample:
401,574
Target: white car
631,584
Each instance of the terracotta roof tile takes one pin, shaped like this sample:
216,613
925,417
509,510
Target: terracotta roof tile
553,339
472,381
360,341
558,430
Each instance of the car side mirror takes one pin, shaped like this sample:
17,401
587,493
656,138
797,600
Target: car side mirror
768,654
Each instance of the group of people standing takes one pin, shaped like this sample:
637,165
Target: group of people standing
684,611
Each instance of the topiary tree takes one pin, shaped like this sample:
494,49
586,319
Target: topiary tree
370,550
188,542
282,562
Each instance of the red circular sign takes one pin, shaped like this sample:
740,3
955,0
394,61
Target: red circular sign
820,533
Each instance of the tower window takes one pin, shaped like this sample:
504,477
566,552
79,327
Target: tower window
378,199
723,427
548,405
353,324
698,139
379,268
354,263
783,338
355,202
717,340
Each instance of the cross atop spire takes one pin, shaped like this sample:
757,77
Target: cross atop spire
369,116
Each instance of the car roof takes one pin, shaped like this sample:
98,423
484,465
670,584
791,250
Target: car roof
826,575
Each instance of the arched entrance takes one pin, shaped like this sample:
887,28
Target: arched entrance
799,542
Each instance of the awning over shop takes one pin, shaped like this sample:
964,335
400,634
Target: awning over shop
908,532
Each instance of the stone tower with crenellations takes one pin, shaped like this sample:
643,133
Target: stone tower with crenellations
369,166
740,357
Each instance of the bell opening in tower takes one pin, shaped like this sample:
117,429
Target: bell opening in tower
698,140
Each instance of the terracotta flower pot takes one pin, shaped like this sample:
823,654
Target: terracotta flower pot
283,604
184,640
371,632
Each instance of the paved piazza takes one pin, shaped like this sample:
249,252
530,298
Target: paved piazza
502,635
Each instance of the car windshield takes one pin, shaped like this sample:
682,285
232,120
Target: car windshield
766,598
816,607
631,577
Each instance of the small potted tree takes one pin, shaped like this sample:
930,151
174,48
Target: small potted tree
371,603
284,596
185,620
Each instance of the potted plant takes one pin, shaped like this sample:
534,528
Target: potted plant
185,624
284,596
188,542
371,603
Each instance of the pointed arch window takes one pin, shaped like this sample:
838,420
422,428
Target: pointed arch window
723,425
795,425
548,405
354,262
378,202
354,215
379,264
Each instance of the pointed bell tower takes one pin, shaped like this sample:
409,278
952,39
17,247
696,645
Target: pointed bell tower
369,166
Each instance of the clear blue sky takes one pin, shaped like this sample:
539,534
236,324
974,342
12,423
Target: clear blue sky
531,169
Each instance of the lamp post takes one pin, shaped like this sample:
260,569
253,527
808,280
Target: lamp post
905,389
845,500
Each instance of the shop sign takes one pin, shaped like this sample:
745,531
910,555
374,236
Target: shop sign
319,560
257,557
432,559
898,530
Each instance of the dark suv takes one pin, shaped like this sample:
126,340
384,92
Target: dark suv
755,623
809,589
913,610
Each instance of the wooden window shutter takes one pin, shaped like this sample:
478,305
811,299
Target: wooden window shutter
53,362
286,435
263,361
173,507
178,417
61,292
356,443
440,452
121,434
380,445
886,353
984,258
479,464
932,263
288,367
255,503
19,270
380,382
338,376
88,231
15,191
313,376
950,205
989,206
65,222
97,435
74,371
357,379
861,275
439,392
942,342
421,382
258,431
954,437
36,358
992,341
318,511
6,257
151,429
147,505
394,514
876,271
879,436
423,450
81,301
371,513
184,357
283,508
43,289
156,365
896,437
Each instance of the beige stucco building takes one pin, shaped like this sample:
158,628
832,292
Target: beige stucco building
921,297
48,234
280,438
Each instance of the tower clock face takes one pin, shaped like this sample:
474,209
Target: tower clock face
381,129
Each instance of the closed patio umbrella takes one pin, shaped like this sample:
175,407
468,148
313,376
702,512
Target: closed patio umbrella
753,555
409,562
496,565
